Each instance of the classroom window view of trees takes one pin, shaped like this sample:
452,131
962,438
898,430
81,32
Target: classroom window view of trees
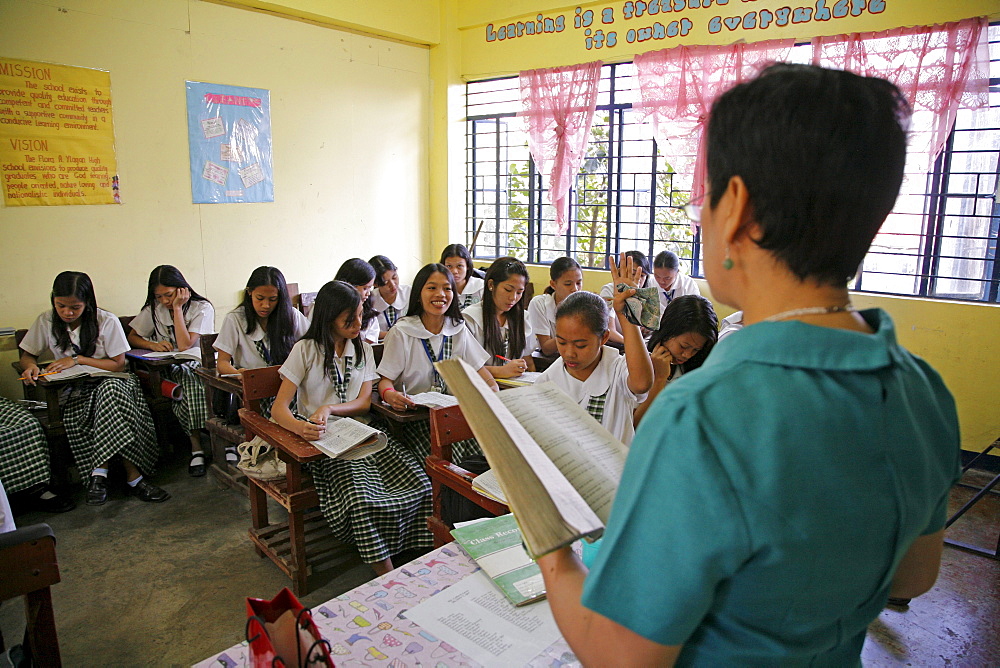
940,241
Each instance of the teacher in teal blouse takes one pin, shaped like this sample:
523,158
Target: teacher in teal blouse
776,497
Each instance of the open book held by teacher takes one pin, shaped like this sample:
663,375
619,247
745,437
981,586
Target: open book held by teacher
557,466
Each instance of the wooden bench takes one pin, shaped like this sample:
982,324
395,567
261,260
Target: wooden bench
285,543
448,426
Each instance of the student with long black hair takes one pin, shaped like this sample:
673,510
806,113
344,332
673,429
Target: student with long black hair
362,276
468,286
380,502
498,322
566,277
389,299
173,318
104,418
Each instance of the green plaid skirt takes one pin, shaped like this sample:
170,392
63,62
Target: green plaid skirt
380,503
192,410
109,417
24,452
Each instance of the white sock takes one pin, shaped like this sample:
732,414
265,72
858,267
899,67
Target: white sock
46,495
197,457
101,472
133,483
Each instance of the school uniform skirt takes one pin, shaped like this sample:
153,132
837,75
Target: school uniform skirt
416,436
192,410
24,452
380,503
107,417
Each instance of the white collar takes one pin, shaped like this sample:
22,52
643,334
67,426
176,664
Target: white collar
472,285
411,325
380,304
599,380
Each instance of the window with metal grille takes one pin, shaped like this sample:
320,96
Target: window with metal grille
940,240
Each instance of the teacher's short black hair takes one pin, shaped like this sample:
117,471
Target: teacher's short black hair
821,152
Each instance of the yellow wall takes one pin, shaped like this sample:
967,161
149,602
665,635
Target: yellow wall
414,21
350,118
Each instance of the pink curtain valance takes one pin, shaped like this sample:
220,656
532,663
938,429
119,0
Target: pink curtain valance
558,107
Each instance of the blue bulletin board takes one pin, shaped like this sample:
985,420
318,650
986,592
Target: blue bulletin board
229,132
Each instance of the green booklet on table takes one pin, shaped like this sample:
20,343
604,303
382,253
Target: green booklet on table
495,544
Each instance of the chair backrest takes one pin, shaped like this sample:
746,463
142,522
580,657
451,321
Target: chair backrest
207,351
306,300
19,336
448,426
377,350
28,558
126,320
260,384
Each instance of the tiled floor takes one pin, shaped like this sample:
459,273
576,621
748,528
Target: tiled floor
165,584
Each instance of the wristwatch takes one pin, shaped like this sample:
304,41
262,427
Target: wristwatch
74,359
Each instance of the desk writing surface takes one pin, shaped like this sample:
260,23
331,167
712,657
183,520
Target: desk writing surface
368,626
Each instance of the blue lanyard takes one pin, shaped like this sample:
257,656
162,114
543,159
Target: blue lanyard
438,382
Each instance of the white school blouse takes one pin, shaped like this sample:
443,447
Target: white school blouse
472,293
405,362
541,314
233,338
474,322
401,304
111,340
304,368
610,377
370,333
199,319
731,323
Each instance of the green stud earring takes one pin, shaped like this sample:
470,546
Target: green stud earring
727,264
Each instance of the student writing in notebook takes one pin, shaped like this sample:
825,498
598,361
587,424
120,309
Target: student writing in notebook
776,497
608,385
173,318
498,321
379,502
105,418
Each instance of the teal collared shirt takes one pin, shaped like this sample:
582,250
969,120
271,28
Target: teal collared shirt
769,496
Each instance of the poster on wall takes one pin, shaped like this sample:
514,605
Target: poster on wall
229,132
57,140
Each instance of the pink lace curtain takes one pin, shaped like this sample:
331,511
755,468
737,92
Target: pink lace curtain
558,106
678,86
938,69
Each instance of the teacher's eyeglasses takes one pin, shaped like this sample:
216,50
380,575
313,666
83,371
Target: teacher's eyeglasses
692,210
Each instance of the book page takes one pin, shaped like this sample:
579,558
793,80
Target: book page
488,485
549,510
433,399
344,435
189,354
583,450
77,371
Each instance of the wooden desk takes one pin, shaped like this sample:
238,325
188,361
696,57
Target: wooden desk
222,433
368,626
285,542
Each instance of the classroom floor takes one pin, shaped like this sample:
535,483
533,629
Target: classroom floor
162,584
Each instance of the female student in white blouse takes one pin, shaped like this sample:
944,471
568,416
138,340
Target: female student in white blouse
389,298
362,276
380,502
498,321
608,385
173,318
263,328
468,286
682,342
566,277
104,418
433,331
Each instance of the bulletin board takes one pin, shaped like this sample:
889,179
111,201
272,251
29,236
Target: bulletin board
229,133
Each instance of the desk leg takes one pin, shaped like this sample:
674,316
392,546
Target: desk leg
41,623
258,510
296,531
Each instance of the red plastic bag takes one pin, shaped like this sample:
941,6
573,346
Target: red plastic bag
282,633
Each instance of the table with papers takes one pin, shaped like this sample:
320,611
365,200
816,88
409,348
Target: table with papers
373,625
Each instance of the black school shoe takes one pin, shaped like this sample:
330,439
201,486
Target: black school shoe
148,492
57,504
97,490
